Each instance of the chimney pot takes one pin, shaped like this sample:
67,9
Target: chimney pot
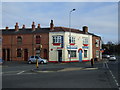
33,26
16,27
23,26
38,25
51,25
7,28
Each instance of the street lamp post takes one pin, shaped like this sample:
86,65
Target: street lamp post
70,31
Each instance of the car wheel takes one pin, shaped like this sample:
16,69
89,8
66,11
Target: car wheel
42,62
29,62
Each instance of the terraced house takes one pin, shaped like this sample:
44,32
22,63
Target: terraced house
56,44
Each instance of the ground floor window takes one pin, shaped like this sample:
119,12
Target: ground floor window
72,53
19,53
97,53
85,53
37,51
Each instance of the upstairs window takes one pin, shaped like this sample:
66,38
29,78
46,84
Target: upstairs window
97,43
85,40
19,40
37,39
71,39
57,39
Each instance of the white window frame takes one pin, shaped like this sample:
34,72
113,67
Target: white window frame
97,53
71,39
97,43
57,39
85,40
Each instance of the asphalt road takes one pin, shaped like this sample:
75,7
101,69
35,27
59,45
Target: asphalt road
70,75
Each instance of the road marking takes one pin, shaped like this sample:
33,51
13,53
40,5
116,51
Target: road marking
20,72
113,77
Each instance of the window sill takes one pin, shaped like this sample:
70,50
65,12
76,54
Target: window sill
73,58
56,44
72,43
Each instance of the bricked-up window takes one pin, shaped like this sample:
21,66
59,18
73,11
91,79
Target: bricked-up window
57,39
19,53
85,53
19,40
37,39
72,53
71,39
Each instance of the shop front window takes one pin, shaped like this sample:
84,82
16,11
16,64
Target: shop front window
85,53
71,53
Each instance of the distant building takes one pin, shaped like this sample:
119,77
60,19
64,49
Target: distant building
56,44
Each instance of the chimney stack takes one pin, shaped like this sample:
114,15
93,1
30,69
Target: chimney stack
7,28
16,27
51,25
85,29
23,26
38,26
33,26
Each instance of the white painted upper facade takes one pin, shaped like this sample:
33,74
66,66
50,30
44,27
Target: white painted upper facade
63,51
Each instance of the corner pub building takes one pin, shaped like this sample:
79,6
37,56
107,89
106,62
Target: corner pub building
19,44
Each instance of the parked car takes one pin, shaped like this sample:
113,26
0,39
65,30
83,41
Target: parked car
105,56
1,61
33,59
112,58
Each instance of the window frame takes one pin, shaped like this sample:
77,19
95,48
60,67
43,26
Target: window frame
85,40
71,39
38,39
72,54
57,39
19,40
19,52
85,53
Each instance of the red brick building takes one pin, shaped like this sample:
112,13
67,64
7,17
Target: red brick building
20,43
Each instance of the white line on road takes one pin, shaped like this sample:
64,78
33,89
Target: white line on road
20,72
113,76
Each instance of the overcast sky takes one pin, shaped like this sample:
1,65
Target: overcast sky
100,17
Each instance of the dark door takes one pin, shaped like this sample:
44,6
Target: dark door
45,53
25,54
3,54
8,54
59,55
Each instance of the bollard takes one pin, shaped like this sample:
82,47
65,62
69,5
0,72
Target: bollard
92,62
37,63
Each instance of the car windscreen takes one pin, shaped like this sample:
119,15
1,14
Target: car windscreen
36,57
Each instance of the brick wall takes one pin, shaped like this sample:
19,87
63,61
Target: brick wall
28,42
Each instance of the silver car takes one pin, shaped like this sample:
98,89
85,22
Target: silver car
112,58
33,59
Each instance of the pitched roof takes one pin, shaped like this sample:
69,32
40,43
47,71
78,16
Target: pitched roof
43,30
25,31
65,29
